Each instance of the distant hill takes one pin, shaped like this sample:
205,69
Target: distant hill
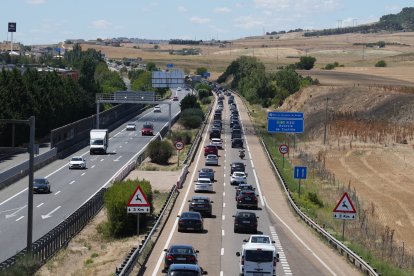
403,21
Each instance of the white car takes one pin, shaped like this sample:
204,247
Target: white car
178,88
77,162
217,142
131,126
211,160
238,178
264,239
203,185
157,108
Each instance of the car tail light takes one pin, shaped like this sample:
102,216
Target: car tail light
170,258
242,261
180,222
274,261
192,259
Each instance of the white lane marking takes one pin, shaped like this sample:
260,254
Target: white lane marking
254,171
222,232
222,251
16,210
120,146
224,184
221,273
40,205
58,192
73,181
126,142
93,167
224,204
48,215
161,257
223,217
282,257
102,159
116,160
83,174
20,218
300,240
10,198
224,194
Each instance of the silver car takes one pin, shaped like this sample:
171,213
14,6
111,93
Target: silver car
211,160
77,162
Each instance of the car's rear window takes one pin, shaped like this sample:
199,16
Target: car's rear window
190,215
183,273
181,250
148,126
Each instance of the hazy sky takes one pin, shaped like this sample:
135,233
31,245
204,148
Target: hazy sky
52,21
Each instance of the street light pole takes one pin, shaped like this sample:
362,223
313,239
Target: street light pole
30,192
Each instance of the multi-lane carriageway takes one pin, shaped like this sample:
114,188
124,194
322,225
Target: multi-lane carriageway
301,251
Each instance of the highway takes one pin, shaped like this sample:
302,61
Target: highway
71,188
301,252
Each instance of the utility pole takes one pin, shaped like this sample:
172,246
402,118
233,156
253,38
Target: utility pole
326,121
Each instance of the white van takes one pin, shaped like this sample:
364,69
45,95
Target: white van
258,256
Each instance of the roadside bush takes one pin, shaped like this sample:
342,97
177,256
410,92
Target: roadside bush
121,224
160,151
192,118
306,63
203,93
329,66
183,136
201,85
381,63
189,101
205,101
313,197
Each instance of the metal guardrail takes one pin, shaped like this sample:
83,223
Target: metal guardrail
356,260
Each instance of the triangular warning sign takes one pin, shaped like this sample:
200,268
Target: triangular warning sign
345,205
138,199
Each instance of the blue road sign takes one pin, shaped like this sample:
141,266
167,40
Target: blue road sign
206,75
300,173
286,122
170,65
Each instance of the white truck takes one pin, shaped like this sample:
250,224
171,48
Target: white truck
258,256
98,141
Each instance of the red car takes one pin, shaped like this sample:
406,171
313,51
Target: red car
147,129
210,149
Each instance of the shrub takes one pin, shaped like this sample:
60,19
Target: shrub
121,224
313,197
189,101
329,66
190,121
205,101
381,63
183,136
306,63
160,151
203,93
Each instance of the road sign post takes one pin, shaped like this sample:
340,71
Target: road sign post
138,203
300,173
179,146
344,210
283,149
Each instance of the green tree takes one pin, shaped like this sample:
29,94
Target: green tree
191,118
381,63
151,67
143,82
160,151
288,79
306,63
189,101
201,70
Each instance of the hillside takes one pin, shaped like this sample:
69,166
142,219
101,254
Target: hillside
402,21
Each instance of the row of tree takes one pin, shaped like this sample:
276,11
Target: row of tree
248,75
54,99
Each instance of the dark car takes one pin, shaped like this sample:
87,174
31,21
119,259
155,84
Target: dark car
41,185
236,134
201,204
217,117
217,123
215,134
185,270
234,121
244,187
190,221
179,254
247,199
206,173
237,143
210,149
245,222
147,129
237,167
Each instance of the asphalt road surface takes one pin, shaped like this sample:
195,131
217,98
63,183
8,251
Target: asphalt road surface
301,252
71,188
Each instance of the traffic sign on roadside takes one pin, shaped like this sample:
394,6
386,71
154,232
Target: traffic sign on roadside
285,122
138,203
283,149
345,208
300,172
179,145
